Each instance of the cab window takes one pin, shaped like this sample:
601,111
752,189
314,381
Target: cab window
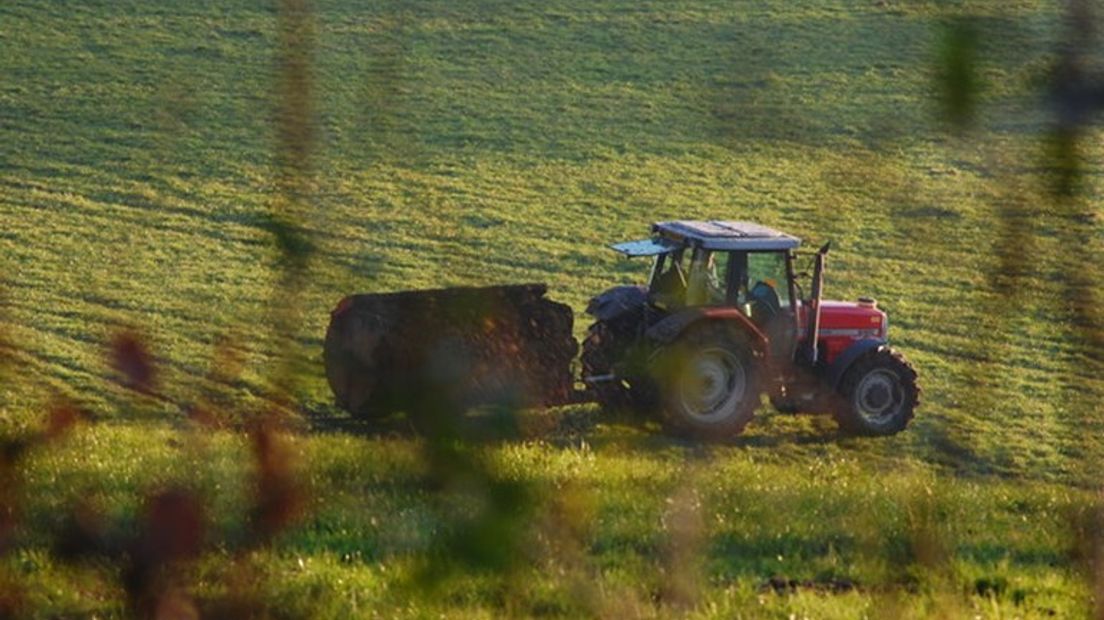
767,275
706,282
669,279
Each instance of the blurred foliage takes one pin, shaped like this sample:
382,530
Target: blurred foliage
958,79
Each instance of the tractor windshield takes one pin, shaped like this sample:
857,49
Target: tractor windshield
690,278
669,279
706,285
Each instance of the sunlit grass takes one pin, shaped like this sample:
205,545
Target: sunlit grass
836,521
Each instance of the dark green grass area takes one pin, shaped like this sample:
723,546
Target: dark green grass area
484,142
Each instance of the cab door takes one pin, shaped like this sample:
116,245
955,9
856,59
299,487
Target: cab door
768,300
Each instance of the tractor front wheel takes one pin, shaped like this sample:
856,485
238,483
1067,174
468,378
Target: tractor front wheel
879,393
709,383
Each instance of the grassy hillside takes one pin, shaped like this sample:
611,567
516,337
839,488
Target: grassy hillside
479,142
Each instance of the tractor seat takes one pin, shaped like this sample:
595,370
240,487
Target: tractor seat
765,303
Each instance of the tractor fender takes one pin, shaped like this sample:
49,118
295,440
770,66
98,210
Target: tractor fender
617,301
835,371
670,328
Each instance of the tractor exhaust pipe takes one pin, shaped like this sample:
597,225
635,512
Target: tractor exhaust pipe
812,332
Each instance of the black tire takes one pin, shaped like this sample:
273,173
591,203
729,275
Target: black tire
604,349
709,383
879,394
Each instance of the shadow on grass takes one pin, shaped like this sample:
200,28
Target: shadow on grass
575,425
789,434
561,426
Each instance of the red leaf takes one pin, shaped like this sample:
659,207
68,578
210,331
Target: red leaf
174,522
131,358
62,416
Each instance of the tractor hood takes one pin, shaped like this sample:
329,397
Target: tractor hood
848,318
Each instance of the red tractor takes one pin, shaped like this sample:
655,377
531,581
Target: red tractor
724,319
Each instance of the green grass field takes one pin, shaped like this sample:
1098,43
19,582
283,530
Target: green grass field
483,142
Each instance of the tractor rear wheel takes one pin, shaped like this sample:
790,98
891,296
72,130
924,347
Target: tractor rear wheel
709,383
879,393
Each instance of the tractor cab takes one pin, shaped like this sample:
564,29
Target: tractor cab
719,264
723,319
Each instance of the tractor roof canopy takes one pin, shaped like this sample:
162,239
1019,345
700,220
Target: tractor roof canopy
711,235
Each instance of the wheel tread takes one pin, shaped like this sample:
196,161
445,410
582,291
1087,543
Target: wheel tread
849,420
